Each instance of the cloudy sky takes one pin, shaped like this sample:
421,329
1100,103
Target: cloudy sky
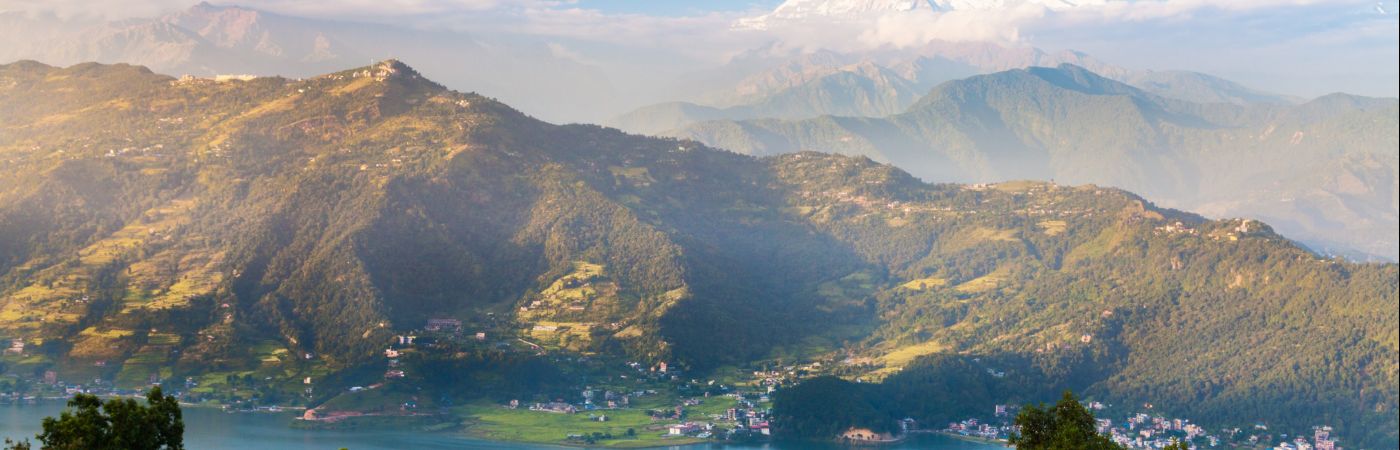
1299,47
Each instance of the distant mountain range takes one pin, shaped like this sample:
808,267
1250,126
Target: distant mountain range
542,77
877,84
207,40
1323,171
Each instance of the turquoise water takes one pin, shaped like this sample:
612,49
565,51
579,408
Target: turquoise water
211,429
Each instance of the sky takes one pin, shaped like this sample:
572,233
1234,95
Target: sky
1298,47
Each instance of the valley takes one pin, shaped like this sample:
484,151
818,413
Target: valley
375,247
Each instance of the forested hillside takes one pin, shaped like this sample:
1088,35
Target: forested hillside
158,228
1097,290
331,211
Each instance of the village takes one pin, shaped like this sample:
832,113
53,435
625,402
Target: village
620,400
694,412
646,403
1148,431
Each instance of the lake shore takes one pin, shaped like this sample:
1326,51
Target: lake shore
211,426
979,440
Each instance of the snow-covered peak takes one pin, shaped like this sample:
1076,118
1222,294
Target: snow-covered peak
792,11
963,5
795,9
803,10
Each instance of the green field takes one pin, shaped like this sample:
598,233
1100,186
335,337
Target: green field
495,422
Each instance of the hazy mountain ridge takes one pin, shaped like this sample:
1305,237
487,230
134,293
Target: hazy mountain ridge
1201,88
174,227
878,84
549,76
1072,125
208,40
862,89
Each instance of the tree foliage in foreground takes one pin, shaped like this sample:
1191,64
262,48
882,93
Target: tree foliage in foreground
117,424
1065,426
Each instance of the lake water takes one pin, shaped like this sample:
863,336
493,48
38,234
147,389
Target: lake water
211,429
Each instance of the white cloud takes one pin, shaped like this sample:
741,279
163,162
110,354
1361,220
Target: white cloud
91,9
325,9
392,8
911,30
1002,21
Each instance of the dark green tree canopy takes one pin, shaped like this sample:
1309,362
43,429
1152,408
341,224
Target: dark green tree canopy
823,407
117,424
1065,426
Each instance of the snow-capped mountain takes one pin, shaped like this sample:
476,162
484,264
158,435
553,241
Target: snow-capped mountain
962,5
796,11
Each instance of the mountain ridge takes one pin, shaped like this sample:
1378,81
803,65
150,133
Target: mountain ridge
1077,126
878,85
173,228
209,40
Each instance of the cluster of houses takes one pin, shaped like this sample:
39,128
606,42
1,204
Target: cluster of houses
747,419
16,347
605,399
51,387
708,430
592,400
402,343
755,420
976,428
1143,431
1322,440
553,407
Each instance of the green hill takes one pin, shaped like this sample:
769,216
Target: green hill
159,228
331,211
1099,291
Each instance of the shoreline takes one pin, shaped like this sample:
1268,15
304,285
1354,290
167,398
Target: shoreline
873,442
467,431
977,439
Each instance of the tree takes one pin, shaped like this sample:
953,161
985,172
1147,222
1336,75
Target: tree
823,407
118,424
12,445
1065,426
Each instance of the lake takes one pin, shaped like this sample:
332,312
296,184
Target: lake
212,429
